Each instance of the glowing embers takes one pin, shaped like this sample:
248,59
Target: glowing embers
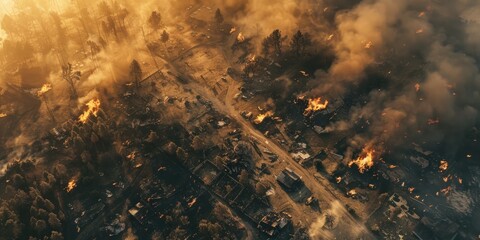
314,105
443,166
364,161
45,88
93,107
261,117
368,45
240,37
71,185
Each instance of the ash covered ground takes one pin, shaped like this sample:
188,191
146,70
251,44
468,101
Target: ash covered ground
239,119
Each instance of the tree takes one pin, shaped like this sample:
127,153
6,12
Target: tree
218,16
300,41
198,143
152,137
54,222
155,20
171,148
261,188
94,48
56,235
209,229
274,40
71,76
181,154
136,73
164,38
177,234
243,178
40,226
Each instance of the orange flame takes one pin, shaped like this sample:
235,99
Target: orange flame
71,185
191,203
252,58
368,45
261,117
443,166
417,87
314,105
232,30
2,115
446,190
93,107
352,192
240,37
364,162
45,88
338,179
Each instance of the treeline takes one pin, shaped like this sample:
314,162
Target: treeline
30,204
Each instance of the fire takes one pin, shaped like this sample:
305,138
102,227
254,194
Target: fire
259,119
252,58
368,45
445,179
191,203
391,166
93,107
460,180
421,14
338,179
240,37
71,185
352,192
433,121
45,88
232,30
2,115
420,30
132,155
443,166
364,162
314,105
410,189
417,87
446,190
330,37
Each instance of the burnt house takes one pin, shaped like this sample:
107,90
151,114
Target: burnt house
289,179
272,223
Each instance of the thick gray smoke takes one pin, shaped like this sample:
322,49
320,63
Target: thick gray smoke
428,53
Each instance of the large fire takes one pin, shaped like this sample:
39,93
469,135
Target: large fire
364,162
261,117
71,185
45,88
315,104
93,107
